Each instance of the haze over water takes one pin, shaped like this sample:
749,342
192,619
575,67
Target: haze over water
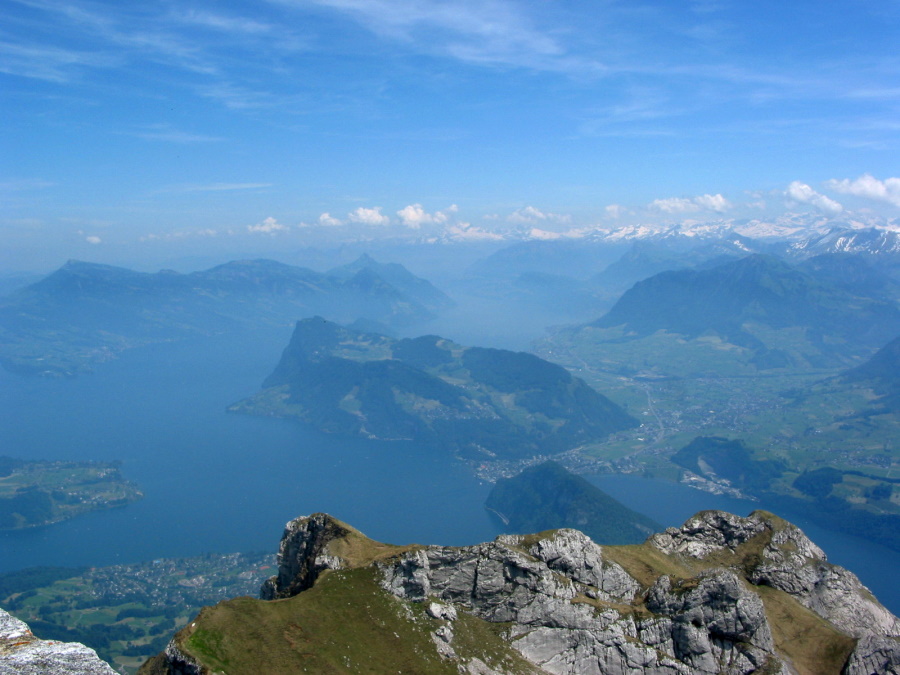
215,481
218,482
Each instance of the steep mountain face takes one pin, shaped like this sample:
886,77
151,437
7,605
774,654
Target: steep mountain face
479,403
84,313
21,653
547,496
882,374
722,594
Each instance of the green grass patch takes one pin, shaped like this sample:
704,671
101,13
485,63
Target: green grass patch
811,644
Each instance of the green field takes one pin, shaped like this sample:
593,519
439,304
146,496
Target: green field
39,493
801,418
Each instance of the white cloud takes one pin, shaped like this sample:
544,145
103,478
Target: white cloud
715,202
227,24
887,190
483,32
674,205
268,226
180,234
529,215
414,216
49,63
328,220
26,184
175,136
804,194
544,235
468,232
93,239
372,216
614,210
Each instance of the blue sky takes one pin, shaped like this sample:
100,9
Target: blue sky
178,126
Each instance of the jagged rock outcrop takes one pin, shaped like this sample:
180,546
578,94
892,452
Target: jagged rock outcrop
21,653
722,594
874,656
717,625
788,561
302,555
545,589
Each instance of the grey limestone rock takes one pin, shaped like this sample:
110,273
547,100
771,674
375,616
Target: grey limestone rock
788,561
874,655
576,556
21,653
793,564
180,663
437,610
569,609
718,626
303,555
709,532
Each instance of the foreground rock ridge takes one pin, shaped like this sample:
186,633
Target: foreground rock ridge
721,594
21,653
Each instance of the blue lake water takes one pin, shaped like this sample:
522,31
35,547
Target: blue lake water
217,482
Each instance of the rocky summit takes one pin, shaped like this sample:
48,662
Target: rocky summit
21,653
721,594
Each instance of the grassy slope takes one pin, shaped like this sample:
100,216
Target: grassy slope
344,624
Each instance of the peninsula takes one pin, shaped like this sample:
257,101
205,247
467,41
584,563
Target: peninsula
35,493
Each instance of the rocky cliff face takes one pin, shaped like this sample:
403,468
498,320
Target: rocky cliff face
722,594
21,653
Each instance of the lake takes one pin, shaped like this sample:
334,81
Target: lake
218,482
215,481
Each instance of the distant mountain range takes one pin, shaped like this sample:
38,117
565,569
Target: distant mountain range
778,314
869,240
84,313
619,253
583,274
478,403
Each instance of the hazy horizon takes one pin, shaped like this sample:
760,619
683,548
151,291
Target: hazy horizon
162,131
